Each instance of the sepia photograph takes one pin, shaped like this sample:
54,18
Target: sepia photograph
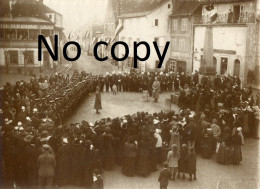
129,94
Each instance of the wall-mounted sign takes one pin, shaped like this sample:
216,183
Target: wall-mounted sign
25,26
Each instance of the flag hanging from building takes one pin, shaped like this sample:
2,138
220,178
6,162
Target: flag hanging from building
87,34
212,12
94,40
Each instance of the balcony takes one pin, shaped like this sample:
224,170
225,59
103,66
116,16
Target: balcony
223,19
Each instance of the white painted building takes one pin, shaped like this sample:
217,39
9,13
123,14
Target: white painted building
234,38
149,26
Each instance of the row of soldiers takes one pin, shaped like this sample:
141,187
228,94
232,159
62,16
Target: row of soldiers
55,97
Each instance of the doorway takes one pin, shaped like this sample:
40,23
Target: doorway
181,66
237,68
223,68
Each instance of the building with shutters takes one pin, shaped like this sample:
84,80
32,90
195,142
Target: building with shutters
234,30
20,24
145,21
184,15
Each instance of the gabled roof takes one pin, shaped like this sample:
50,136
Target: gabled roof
25,8
185,8
134,9
134,15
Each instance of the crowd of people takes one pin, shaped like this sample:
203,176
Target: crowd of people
38,147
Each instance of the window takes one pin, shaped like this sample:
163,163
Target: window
50,16
169,6
10,34
28,57
22,34
156,22
184,24
33,34
156,40
174,24
1,34
13,57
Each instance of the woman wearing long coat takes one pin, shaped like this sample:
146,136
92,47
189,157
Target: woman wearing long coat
237,141
130,153
98,105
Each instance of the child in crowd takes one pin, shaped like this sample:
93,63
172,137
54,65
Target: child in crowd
172,159
165,176
114,89
191,164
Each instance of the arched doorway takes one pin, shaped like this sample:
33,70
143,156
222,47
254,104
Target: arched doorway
236,68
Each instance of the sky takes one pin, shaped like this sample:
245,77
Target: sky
77,13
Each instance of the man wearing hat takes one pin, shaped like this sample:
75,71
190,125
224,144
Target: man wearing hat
46,164
106,81
156,89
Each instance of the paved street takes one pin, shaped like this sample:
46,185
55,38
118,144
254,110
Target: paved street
90,65
209,173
